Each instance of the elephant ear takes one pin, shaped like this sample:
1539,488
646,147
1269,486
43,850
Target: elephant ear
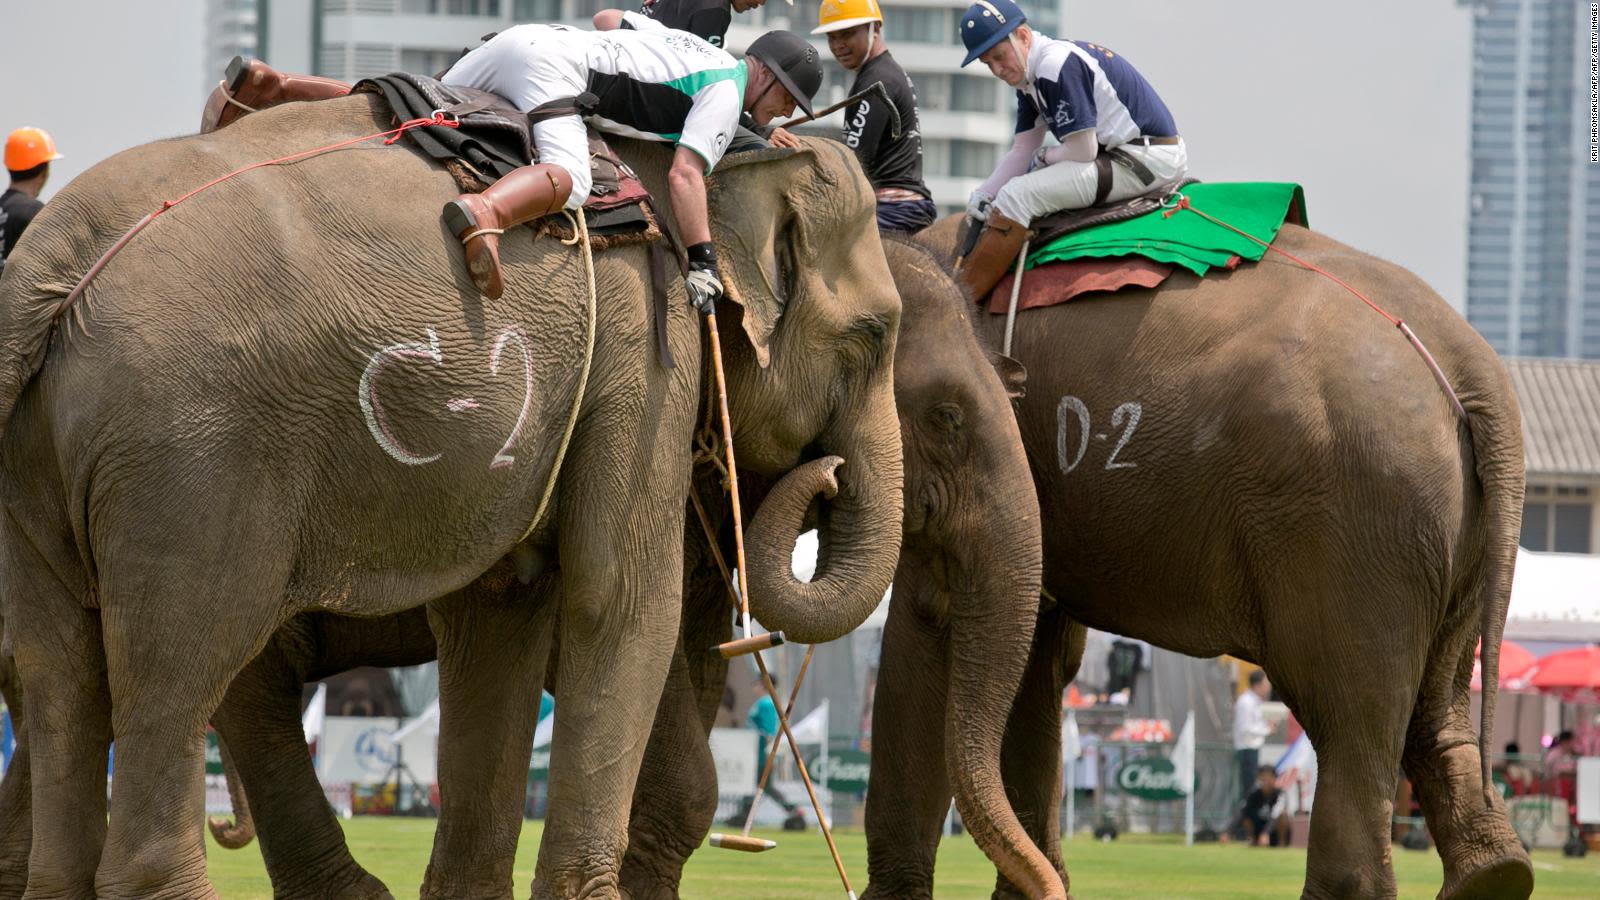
1013,375
751,229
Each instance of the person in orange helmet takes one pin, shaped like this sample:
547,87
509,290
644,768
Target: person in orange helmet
27,157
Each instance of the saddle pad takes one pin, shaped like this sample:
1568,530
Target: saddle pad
1187,239
1059,282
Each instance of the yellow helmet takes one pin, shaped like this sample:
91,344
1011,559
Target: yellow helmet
837,15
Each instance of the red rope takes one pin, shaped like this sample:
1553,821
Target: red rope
1416,342
392,135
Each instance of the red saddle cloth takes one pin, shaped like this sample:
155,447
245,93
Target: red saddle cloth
1059,282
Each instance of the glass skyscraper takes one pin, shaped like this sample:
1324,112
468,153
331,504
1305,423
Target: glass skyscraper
1533,246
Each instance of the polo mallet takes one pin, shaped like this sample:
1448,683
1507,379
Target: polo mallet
772,752
750,643
968,238
875,88
754,643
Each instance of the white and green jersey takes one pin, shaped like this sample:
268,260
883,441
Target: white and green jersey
653,83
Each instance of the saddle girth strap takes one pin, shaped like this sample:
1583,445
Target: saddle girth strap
1103,172
581,105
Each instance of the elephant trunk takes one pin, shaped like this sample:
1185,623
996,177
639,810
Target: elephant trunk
242,830
989,647
994,565
858,530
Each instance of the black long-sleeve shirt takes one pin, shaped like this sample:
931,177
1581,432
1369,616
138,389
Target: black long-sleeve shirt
889,162
19,210
706,19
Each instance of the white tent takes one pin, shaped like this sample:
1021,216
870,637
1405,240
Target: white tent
1555,597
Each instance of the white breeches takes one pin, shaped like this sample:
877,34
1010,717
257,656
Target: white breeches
1071,185
529,65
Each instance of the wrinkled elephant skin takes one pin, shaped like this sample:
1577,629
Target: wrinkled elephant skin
1256,464
308,407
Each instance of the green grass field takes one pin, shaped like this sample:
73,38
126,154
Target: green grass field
1130,868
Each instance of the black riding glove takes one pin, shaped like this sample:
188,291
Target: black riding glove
702,283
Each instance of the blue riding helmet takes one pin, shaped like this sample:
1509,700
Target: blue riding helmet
987,23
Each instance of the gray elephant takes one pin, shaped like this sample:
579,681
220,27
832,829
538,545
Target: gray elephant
969,512
1256,464
277,405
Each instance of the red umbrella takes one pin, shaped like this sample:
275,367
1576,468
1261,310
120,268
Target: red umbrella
1567,672
1513,662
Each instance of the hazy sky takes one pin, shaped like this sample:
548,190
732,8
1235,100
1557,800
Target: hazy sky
1365,102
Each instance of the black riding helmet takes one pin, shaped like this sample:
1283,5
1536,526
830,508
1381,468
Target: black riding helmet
793,61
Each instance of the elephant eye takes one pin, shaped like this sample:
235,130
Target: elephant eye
785,284
946,416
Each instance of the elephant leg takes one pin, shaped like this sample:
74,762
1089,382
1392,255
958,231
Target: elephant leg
675,802
911,791
1031,756
621,558
1354,693
493,642
1482,856
259,721
66,714
167,676
676,798
16,807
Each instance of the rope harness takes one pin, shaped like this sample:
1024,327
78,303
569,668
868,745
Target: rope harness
580,235
1178,201
232,100
439,118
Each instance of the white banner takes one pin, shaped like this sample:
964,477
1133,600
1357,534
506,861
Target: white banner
362,750
734,751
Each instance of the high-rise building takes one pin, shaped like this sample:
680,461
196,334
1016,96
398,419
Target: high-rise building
967,116
1533,246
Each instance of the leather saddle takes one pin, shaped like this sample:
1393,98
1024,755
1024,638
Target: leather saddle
493,138
1067,221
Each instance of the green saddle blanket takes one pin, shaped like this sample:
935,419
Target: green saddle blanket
1185,238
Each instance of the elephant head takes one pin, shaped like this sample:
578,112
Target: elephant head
811,384
971,564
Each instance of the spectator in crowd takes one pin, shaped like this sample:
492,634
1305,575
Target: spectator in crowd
1250,729
1123,664
1265,813
763,717
1561,771
1519,778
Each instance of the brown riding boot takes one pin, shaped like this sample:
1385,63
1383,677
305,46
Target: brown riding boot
478,220
251,85
996,250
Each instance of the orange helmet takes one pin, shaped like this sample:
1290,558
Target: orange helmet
29,147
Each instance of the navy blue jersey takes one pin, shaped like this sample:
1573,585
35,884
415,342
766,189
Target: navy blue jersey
1077,86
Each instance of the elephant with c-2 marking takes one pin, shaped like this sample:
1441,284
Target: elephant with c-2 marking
215,452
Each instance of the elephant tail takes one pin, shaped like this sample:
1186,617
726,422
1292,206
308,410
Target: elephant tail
242,830
1493,442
